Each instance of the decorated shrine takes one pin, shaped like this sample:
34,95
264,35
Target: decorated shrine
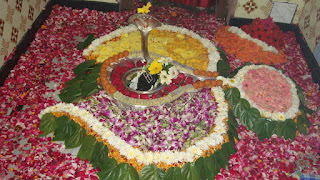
153,94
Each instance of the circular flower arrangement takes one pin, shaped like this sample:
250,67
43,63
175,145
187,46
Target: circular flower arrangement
125,79
167,136
180,44
268,90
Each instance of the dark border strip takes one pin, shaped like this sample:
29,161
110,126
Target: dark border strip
92,5
307,53
24,43
30,34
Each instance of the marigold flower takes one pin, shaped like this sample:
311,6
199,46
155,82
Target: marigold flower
155,67
144,9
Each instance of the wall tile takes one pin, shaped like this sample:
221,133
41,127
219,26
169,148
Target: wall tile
1,27
309,23
16,17
307,16
262,8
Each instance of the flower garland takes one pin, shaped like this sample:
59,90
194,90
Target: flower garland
268,90
180,44
248,49
111,79
162,159
160,68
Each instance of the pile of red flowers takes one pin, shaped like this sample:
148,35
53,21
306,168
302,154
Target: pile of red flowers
117,74
266,30
119,70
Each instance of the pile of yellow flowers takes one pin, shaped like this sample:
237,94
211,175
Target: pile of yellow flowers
179,47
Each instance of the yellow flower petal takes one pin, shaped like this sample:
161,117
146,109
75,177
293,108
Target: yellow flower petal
155,67
144,9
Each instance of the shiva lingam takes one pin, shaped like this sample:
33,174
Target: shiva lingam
146,82
145,23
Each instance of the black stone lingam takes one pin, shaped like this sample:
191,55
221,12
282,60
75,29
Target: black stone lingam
144,84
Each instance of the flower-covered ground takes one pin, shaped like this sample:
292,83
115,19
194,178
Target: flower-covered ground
53,55
171,127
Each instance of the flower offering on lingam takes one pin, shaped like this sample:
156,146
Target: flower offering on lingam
158,72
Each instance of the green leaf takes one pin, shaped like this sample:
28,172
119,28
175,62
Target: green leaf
174,173
109,170
66,128
89,86
127,172
221,159
76,139
89,89
87,147
243,105
302,124
48,124
264,128
83,67
249,116
305,109
108,164
232,134
70,93
232,95
304,115
223,68
223,54
100,153
74,83
151,172
216,164
190,171
88,80
300,94
205,165
71,96
232,119
86,42
167,67
233,125
96,70
228,149
287,129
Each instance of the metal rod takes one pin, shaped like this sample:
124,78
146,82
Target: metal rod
144,45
